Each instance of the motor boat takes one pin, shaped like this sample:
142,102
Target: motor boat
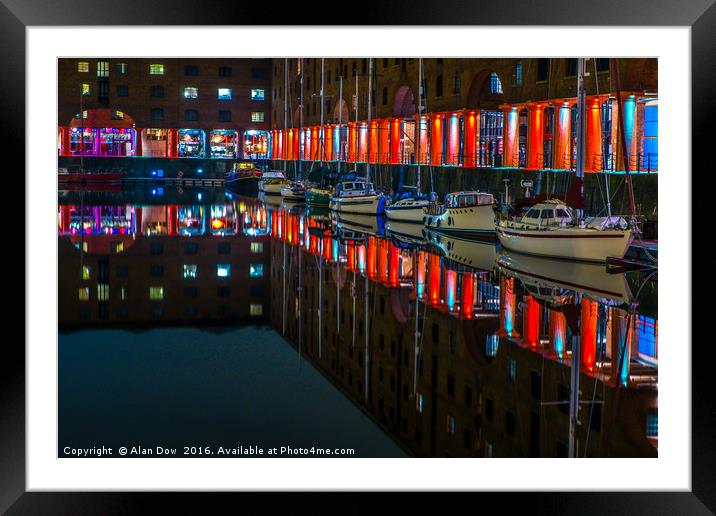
411,206
319,195
549,229
272,181
467,214
294,191
358,197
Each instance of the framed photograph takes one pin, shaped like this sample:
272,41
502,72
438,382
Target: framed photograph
415,253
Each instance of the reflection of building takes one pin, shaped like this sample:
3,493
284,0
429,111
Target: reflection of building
125,265
479,386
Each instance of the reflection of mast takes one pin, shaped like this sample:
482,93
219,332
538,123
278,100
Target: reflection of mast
367,340
353,295
574,390
320,302
283,307
417,333
299,290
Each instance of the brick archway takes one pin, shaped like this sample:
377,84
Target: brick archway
480,94
404,102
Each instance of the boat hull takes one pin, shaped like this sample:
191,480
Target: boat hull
290,194
270,188
471,223
588,245
317,198
359,204
414,214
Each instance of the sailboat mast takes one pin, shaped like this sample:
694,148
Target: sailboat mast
300,130
625,149
340,121
355,72
285,107
580,133
323,136
370,76
420,110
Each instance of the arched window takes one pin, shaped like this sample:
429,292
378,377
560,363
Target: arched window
495,84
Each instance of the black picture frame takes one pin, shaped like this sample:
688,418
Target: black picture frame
16,15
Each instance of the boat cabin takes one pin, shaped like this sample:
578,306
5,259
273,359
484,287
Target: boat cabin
548,213
468,199
354,188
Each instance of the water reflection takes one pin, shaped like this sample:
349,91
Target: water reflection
454,348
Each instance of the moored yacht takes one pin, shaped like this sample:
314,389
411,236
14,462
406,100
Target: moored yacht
272,181
549,229
359,197
409,207
468,215
294,191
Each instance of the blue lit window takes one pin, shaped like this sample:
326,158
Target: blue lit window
450,424
223,270
419,402
518,73
190,271
512,370
495,84
224,94
256,270
191,92
257,94
491,344
650,157
652,423
647,337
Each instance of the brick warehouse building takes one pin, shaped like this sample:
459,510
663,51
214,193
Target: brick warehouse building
516,113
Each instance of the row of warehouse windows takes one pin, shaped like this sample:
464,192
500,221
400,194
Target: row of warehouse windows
189,92
192,115
159,69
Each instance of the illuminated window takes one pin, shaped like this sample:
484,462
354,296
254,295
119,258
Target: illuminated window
495,84
85,89
156,293
256,270
652,423
492,342
102,292
122,293
83,66
223,270
190,271
117,115
117,247
224,93
518,73
419,402
122,68
102,68
257,247
450,427
156,69
85,272
256,310
512,370
257,116
84,294
257,94
191,92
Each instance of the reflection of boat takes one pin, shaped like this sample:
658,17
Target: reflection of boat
358,197
293,191
272,181
547,229
555,280
468,215
411,206
270,200
356,223
65,176
474,254
406,232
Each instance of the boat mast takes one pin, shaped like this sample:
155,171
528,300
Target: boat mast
580,134
285,108
420,112
355,72
340,121
300,130
625,150
370,76
323,136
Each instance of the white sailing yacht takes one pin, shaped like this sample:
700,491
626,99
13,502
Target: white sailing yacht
552,229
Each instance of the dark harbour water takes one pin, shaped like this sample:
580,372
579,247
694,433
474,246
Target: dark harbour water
176,387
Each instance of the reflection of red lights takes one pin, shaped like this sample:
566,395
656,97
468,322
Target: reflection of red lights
217,223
